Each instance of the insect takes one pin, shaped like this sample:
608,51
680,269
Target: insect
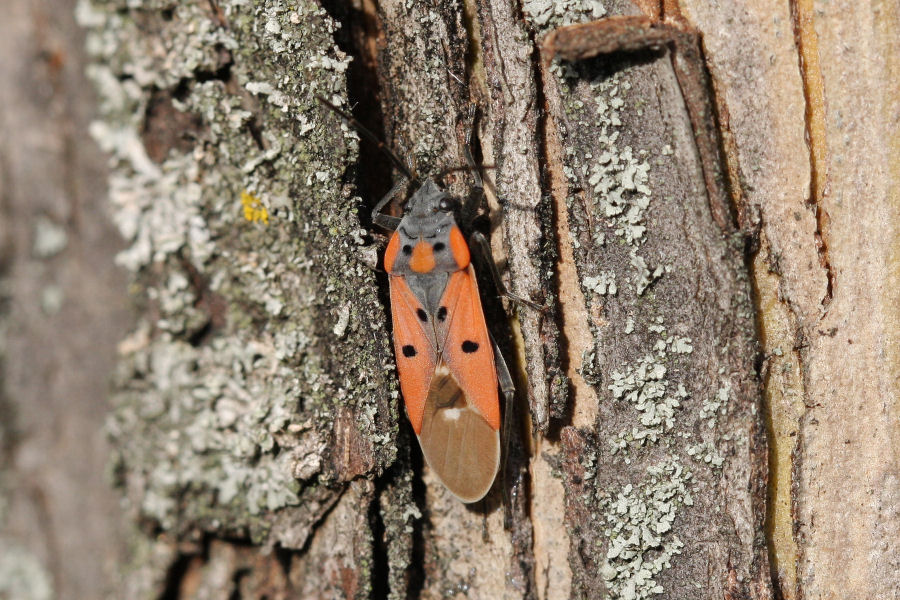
449,366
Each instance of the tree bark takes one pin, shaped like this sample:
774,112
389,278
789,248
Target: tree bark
63,309
687,421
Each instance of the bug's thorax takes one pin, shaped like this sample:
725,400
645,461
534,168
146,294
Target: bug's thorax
428,240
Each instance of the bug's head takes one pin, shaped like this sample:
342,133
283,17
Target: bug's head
431,201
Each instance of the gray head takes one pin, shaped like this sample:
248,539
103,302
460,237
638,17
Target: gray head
428,211
428,200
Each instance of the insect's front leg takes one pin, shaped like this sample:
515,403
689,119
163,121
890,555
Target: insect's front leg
483,250
382,220
631,34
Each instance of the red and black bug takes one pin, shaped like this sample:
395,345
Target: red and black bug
449,367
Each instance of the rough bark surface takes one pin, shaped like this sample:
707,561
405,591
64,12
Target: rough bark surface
811,98
256,431
674,448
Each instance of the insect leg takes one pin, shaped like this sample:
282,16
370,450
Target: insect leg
484,250
476,195
387,221
508,388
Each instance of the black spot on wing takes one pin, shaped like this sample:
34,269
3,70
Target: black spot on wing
439,246
407,249
442,313
469,346
423,316
409,351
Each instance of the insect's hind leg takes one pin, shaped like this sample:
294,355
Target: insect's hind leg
508,389
476,195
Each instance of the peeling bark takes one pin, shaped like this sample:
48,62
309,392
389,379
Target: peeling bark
822,167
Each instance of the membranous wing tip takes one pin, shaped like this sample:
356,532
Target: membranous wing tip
459,445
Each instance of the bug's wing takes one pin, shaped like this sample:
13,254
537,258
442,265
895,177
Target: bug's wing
466,346
415,349
461,447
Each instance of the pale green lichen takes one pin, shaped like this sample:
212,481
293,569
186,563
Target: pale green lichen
617,176
644,385
712,407
548,14
639,520
707,453
52,299
611,186
602,284
22,576
49,238
225,396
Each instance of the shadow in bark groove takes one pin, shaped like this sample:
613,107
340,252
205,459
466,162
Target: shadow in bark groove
373,176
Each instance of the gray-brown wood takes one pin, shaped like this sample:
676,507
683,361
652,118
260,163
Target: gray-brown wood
811,94
675,444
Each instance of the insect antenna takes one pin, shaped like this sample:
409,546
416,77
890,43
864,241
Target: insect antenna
350,120
443,173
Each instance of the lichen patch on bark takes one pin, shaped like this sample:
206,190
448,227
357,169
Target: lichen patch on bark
230,390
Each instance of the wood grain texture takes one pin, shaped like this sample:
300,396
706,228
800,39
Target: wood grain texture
822,166
848,470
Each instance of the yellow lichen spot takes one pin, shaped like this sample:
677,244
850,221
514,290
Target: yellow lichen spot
254,211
